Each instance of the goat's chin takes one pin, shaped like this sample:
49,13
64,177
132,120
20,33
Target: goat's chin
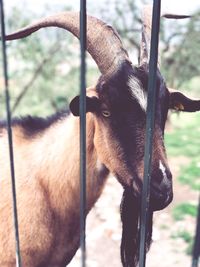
160,202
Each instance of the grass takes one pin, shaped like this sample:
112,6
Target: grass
184,140
191,174
187,237
183,209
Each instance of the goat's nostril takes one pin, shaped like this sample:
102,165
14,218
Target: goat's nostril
169,175
162,179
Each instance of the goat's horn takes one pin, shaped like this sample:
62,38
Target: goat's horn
146,35
175,16
146,31
103,42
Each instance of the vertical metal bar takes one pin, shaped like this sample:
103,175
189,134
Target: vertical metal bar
10,142
83,26
151,103
196,247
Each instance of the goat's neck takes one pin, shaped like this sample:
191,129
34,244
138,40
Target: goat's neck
62,172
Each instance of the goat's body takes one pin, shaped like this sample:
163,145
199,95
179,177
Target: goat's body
47,184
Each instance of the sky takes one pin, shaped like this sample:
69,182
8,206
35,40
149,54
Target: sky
178,6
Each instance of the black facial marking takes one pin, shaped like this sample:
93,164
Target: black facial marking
163,102
162,94
128,119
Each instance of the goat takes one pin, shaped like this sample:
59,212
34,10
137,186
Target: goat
46,152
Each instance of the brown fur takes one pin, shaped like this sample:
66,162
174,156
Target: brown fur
47,185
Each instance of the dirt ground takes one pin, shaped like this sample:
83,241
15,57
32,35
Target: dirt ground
104,228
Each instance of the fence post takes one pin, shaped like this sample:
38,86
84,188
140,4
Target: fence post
196,247
151,103
9,131
82,105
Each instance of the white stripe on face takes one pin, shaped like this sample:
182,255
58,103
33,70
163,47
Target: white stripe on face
137,92
163,170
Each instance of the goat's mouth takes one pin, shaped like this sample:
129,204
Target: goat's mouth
158,199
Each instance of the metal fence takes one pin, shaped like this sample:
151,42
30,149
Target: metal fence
148,143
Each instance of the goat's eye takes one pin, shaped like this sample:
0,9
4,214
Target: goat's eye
106,113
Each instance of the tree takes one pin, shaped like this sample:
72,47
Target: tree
125,17
47,63
181,54
40,65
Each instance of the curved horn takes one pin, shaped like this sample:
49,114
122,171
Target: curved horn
146,35
146,31
103,42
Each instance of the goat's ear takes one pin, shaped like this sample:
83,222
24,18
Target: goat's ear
180,102
92,105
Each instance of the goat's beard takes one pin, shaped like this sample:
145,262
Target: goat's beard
130,217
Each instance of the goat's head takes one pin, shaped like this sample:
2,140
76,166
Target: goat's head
120,112
119,105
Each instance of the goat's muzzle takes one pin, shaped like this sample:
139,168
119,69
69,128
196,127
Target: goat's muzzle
161,194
